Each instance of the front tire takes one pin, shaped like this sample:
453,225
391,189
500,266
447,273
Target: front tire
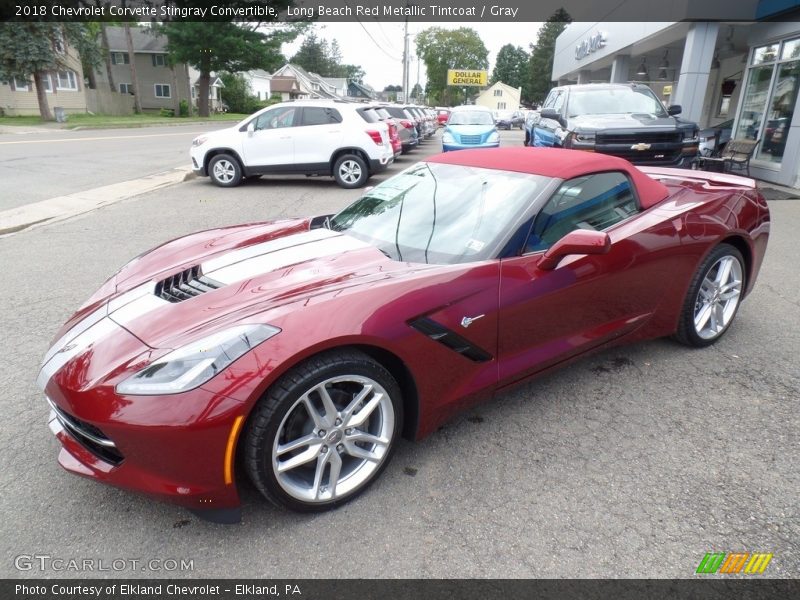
713,299
324,431
350,171
225,171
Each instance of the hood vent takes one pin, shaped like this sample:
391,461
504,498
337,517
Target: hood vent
443,335
184,285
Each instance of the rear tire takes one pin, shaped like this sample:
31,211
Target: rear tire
713,299
324,431
225,171
350,171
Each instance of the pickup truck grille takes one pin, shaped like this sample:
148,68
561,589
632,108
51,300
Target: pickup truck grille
644,156
643,137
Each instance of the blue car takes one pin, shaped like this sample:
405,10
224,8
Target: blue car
470,127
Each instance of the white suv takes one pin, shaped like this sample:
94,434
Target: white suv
311,137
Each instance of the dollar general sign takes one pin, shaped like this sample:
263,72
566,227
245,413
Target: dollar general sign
462,77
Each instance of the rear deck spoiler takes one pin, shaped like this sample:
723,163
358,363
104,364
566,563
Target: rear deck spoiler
689,174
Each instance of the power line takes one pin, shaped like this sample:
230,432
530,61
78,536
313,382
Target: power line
374,41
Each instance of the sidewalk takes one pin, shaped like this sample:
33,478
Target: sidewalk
773,191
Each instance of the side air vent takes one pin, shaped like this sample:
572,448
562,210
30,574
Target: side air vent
184,285
451,339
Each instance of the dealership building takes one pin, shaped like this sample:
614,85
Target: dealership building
744,73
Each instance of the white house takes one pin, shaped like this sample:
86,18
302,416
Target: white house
500,97
259,82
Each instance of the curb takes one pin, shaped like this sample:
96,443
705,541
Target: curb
61,208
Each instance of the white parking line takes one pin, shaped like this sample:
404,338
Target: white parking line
109,137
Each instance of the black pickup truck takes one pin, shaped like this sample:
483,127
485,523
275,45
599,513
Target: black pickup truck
625,120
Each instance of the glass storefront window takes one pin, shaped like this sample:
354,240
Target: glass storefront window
780,113
769,98
765,54
791,49
755,97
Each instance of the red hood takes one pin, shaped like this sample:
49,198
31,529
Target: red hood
257,268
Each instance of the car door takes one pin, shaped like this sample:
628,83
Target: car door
545,130
547,316
270,146
318,136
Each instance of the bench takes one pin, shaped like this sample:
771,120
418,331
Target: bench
735,155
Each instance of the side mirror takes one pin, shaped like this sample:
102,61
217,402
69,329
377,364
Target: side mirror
550,113
674,109
580,241
251,128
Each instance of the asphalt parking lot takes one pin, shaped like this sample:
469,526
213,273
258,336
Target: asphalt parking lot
633,462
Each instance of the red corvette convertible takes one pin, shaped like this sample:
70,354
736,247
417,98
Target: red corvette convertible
298,351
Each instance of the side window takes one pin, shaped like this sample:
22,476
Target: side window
590,202
317,115
558,101
276,118
551,98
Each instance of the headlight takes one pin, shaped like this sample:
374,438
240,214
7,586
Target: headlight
690,136
448,138
194,364
493,137
199,141
585,138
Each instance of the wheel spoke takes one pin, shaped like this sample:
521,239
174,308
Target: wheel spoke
726,264
362,415
319,422
306,440
719,315
304,457
347,412
701,318
327,404
358,452
363,436
333,475
322,462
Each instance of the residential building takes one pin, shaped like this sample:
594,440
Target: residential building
312,85
161,85
215,86
500,96
360,91
65,88
286,87
259,82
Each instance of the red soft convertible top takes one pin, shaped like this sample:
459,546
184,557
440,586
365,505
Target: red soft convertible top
558,163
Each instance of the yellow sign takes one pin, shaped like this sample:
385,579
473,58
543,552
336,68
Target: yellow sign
667,90
462,77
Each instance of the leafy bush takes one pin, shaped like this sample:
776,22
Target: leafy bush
167,112
183,109
236,94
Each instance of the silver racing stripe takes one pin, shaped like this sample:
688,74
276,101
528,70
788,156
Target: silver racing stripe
284,257
266,247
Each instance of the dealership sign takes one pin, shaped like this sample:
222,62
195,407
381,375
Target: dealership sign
463,77
591,44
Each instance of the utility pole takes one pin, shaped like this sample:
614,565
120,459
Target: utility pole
405,60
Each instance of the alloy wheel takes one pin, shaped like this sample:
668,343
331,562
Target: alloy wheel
333,439
224,171
350,171
718,297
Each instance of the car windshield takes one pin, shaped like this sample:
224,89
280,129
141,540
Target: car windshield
440,214
614,101
471,117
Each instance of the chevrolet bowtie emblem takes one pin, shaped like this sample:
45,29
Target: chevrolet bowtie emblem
640,147
467,321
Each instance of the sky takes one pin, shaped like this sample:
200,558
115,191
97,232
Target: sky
381,54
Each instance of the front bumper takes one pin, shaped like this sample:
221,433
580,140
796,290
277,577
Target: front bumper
456,146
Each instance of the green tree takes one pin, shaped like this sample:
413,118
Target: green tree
442,49
313,55
237,93
540,66
511,67
33,49
416,92
224,46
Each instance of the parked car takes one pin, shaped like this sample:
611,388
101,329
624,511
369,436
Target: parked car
470,127
303,137
458,277
625,120
374,114
531,117
506,119
713,139
407,129
442,114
